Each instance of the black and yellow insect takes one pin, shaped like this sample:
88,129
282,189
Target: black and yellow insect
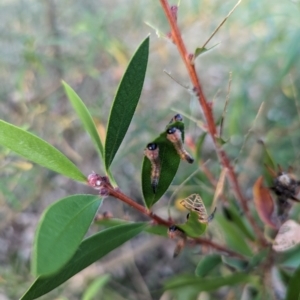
174,136
152,153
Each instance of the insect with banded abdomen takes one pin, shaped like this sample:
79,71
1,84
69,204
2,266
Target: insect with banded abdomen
174,136
152,153
176,233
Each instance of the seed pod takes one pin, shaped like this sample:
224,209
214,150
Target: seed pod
152,153
174,136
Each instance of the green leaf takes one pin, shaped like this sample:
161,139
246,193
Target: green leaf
193,227
169,163
207,264
207,284
237,264
157,229
269,162
284,275
199,144
111,222
37,150
89,251
233,236
85,117
202,50
153,229
233,216
290,258
125,102
94,288
60,231
258,258
293,290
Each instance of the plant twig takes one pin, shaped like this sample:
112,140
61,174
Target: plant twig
218,247
119,195
207,111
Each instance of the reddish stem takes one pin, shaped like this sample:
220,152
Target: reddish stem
177,39
119,195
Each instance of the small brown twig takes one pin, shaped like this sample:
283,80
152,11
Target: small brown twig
207,111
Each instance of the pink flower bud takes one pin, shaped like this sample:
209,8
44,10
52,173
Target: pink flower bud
94,180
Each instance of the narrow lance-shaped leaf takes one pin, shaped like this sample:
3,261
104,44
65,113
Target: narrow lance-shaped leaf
293,291
207,264
235,263
238,219
125,102
199,145
258,258
61,229
233,236
153,229
169,162
89,251
37,150
87,122
208,284
168,165
268,162
94,288
84,116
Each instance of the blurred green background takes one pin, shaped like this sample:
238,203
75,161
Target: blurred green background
88,44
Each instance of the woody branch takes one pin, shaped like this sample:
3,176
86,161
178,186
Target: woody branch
207,111
102,183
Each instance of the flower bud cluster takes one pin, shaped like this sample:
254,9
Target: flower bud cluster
99,182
